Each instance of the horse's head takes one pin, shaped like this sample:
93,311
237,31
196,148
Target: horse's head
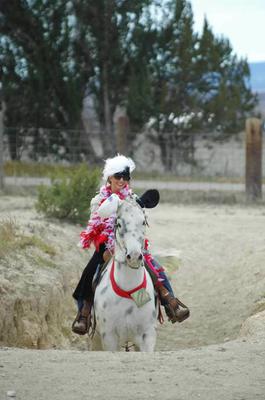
130,231
130,228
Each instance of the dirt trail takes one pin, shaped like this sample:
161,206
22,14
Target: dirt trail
234,371
221,276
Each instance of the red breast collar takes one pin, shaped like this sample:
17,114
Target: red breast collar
120,292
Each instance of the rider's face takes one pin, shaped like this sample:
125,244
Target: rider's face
117,183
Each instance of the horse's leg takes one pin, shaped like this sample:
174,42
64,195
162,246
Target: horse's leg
110,342
146,342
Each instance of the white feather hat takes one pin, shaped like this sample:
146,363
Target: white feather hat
117,164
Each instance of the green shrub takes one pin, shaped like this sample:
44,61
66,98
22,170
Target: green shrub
69,195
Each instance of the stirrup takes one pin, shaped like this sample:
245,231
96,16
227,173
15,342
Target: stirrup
177,314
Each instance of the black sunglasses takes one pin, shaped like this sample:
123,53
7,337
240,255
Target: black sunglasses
119,175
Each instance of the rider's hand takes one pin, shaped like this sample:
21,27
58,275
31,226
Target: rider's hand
106,255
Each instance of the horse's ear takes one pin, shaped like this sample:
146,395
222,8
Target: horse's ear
109,207
149,199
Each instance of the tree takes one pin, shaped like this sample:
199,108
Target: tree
174,82
141,54
107,30
224,95
43,79
199,85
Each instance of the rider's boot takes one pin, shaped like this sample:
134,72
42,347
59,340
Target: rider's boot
172,305
82,322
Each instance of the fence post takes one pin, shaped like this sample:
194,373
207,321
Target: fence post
253,177
2,111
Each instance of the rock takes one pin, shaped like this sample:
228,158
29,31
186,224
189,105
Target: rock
254,327
11,393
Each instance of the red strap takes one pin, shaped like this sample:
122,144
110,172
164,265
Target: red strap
120,292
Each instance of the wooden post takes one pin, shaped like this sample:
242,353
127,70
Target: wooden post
2,112
253,159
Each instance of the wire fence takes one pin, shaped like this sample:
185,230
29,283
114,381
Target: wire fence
180,162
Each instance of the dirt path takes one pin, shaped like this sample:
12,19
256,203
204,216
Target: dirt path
234,371
220,252
221,276
144,184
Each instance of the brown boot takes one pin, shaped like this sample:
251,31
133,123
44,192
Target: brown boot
172,306
82,322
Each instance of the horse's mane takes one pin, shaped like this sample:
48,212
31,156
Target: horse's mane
132,200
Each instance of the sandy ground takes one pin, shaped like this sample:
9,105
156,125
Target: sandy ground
220,253
233,371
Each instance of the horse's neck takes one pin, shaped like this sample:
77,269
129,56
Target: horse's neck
126,277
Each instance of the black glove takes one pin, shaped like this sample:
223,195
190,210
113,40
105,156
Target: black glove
149,199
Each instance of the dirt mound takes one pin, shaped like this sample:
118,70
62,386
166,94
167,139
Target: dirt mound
39,267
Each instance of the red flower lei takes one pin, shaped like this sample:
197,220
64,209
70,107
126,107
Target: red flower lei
100,230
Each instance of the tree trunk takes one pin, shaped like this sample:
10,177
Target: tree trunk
109,144
85,143
108,138
2,111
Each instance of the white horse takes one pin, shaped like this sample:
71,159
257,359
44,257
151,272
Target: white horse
124,304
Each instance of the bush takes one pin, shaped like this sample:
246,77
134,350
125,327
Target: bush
69,195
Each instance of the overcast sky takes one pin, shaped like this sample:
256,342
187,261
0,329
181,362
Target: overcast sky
241,21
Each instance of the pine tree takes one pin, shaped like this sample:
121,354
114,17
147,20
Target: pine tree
108,29
140,54
223,91
174,82
42,82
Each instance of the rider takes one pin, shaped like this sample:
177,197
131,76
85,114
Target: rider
100,232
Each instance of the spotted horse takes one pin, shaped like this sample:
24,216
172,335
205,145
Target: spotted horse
124,303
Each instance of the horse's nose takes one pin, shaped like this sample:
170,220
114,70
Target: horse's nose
140,257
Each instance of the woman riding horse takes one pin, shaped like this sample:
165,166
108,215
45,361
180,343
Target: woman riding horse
100,232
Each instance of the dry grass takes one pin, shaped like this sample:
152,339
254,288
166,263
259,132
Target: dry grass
7,234
32,169
20,168
11,239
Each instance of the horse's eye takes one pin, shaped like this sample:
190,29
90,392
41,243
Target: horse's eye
118,225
